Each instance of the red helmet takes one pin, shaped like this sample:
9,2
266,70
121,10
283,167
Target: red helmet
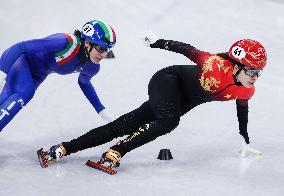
249,53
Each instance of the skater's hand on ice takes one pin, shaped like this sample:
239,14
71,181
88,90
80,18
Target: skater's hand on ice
2,80
106,116
149,37
246,149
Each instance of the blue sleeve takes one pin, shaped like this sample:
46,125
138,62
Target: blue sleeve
51,44
47,45
87,72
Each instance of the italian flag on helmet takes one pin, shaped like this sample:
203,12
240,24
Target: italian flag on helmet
99,32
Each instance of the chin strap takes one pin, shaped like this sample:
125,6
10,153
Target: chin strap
87,52
84,54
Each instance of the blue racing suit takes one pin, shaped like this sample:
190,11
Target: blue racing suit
28,63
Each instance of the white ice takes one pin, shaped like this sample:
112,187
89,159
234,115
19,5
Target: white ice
205,144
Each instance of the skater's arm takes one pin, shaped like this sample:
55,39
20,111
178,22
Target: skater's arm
31,47
187,50
36,47
86,86
50,44
242,113
174,46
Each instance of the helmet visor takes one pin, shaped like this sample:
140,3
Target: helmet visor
101,49
252,72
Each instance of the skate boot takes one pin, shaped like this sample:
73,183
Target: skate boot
108,162
53,154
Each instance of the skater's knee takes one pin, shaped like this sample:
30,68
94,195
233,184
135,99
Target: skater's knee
168,125
30,95
26,95
172,123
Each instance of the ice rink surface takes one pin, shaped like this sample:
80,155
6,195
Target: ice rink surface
205,144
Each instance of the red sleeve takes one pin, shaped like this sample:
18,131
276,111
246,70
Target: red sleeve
197,56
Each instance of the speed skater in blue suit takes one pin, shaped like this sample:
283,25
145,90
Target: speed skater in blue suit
25,65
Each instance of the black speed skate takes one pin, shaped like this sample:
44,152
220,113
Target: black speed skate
53,154
108,162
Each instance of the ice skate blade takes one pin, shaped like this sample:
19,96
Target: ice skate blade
98,166
41,158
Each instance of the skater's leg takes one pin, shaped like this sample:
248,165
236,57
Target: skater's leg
7,60
168,120
165,103
124,125
17,92
6,93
